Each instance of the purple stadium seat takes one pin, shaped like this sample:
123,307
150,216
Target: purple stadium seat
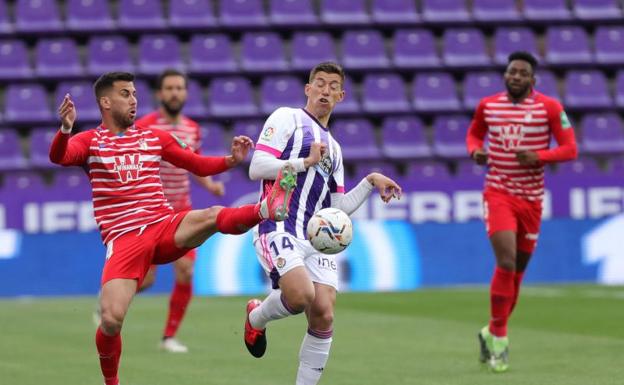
394,12
239,190
37,16
364,168
108,53
547,84
11,156
71,185
437,11
141,15
415,48
350,104
40,141
404,137
464,47
247,127
597,9
231,97
6,27
57,58
212,140
609,45
468,169
280,91
425,175
311,48
292,13
619,89
545,10
88,16
508,40
495,10
364,49
145,96
580,167
195,107
191,14
449,136
26,103
567,45
342,12
82,94
602,133
478,85
14,63
159,52
356,138
616,165
242,13
587,89
262,51
25,186
384,93
435,91
211,54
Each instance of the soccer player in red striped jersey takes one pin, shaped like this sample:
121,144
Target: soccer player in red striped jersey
519,124
172,94
137,224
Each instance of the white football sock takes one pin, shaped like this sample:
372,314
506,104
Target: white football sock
312,359
272,308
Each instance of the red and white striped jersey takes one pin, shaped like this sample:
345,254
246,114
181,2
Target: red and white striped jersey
124,171
176,183
514,127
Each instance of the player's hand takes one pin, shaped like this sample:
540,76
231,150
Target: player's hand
527,158
480,156
67,113
240,148
387,188
317,150
216,188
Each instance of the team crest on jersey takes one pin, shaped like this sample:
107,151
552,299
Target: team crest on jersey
142,144
325,165
511,136
528,117
128,167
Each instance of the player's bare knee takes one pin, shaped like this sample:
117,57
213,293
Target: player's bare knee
300,299
111,321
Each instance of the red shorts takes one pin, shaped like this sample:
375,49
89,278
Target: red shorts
131,255
503,211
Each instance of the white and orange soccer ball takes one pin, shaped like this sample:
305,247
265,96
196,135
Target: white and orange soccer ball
330,230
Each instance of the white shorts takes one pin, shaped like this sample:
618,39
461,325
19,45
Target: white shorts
279,252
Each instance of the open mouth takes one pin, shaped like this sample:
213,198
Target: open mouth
324,101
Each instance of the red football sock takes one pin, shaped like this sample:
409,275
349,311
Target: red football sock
517,282
501,298
180,298
238,220
109,349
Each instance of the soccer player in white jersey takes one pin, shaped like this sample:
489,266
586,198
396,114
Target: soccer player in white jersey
303,279
137,224
519,123
172,93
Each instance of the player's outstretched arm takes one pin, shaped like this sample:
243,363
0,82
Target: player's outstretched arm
352,200
64,150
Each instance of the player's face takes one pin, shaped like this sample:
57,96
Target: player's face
172,94
121,103
519,79
323,93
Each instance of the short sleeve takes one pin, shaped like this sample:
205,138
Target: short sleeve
276,131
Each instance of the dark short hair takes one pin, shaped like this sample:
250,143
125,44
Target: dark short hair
166,73
106,81
327,67
524,56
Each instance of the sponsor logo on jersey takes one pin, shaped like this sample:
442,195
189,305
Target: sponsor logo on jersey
511,136
128,167
180,142
565,122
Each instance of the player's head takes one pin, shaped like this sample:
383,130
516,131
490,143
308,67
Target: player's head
324,88
520,74
171,91
116,96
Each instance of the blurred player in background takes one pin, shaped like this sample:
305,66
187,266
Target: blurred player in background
303,279
137,224
519,124
171,94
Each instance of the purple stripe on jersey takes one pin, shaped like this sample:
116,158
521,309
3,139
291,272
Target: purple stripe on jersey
313,198
291,222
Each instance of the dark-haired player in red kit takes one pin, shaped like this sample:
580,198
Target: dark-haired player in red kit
519,124
137,224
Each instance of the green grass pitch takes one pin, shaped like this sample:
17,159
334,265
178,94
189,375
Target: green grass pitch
560,335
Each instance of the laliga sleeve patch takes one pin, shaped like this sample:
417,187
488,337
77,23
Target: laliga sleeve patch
268,132
180,142
565,122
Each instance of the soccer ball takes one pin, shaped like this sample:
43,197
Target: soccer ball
330,230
